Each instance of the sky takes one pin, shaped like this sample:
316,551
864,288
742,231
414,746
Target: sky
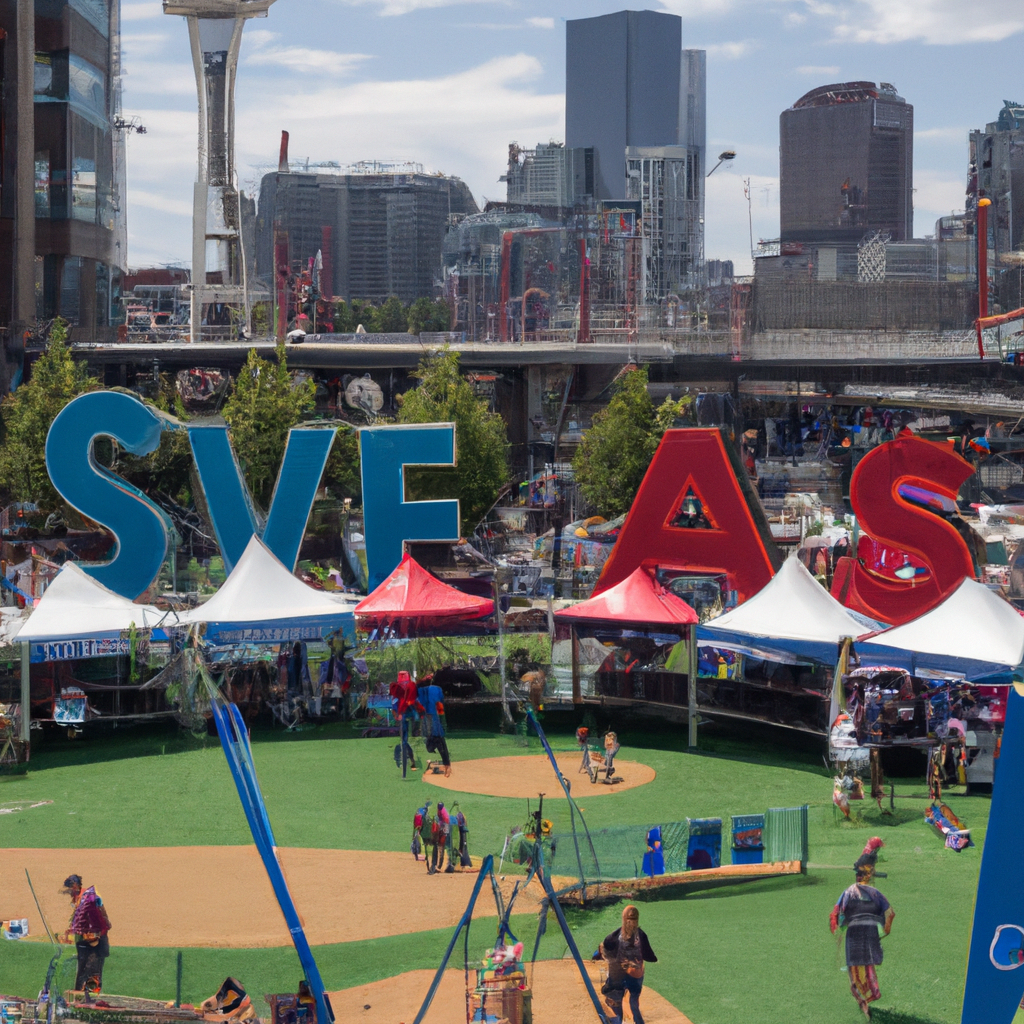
450,83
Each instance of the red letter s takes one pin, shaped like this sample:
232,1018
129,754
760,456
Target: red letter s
891,520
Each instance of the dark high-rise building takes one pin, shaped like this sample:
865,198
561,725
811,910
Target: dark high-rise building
628,83
77,186
997,173
380,231
846,155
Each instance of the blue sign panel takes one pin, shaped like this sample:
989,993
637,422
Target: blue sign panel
139,527
995,966
388,519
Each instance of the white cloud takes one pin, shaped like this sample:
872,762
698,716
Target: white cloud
727,225
942,22
819,71
141,11
395,7
158,78
140,44
302,58
936,194
731,51
949,134
541,22
699,8
157,201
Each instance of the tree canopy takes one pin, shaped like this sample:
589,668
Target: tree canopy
264,405
611,462
27,414
443,395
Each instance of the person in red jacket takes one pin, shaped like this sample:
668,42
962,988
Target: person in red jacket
88,929
406,702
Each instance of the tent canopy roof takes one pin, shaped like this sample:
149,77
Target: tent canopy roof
410,592
793,606
75,606
971,625
261,589
637,600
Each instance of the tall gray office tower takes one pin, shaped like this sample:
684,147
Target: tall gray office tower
846,164
626,84
635,96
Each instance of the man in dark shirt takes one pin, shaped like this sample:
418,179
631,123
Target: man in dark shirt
625,951
89,926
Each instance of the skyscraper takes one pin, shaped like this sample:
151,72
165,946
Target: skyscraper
72,179
846,161
628,83
635,96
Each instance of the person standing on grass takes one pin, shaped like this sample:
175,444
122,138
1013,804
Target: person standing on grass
625,951
862,910
89,927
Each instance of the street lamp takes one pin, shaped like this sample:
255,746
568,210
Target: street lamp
729,154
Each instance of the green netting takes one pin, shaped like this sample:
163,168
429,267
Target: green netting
614,853
785,834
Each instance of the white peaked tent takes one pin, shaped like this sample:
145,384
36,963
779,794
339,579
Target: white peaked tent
974,633
77,607
793,617
262,602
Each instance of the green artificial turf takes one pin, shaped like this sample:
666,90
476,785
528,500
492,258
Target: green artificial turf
755,952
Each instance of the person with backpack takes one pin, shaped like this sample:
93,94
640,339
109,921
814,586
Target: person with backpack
441,838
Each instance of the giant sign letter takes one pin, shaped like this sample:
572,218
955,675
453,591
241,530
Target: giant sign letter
388,519
995,965
692,513
227,497
138,526
891,519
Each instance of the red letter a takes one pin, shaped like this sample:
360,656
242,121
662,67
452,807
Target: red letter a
691,513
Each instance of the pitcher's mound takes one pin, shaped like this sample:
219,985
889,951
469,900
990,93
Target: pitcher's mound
559,997
526,776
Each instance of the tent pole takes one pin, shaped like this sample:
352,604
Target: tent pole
691,685
577,697
26,695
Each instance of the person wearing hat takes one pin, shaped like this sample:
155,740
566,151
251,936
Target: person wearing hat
625,951
862,910
89,926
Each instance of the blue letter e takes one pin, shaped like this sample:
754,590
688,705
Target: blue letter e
139,528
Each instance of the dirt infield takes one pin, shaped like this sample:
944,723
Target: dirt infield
522,777
167,896
559,997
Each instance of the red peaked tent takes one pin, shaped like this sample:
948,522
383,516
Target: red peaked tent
412,596
639,600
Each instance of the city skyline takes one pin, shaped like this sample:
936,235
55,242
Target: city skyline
450,84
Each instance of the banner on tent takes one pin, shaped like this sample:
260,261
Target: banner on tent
73,650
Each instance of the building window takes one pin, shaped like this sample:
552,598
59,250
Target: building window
42,188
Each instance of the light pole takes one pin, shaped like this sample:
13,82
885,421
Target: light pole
729,154
215,32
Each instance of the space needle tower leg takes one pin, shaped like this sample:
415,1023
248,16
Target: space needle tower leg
218,256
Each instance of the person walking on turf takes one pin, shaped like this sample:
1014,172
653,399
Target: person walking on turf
625,951
89,927
862,910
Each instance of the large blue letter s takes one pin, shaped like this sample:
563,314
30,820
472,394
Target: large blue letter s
139,527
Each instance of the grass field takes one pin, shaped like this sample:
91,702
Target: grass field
751,953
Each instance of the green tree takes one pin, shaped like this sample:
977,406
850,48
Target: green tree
342,472
445,396
391,317
27,414
617,449
264,405
425,315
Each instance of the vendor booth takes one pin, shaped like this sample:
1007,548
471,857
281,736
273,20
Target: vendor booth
93,644
261,602
640,623
411,601
770,659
